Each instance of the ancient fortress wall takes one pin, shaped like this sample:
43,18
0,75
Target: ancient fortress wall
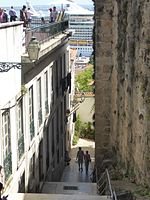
122,61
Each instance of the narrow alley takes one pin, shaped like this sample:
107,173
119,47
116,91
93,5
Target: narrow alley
73,181
74,184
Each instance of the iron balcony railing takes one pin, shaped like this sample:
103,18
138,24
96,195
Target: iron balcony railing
104,186
46,31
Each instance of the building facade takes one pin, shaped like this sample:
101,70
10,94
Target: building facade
82,39
33,116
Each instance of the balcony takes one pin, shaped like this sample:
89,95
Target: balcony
46,32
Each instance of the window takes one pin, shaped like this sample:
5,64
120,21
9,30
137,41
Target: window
46,93
53,139
21,188
20,135
32,166
57,156
31,113
61,119
57,125
61,69
64,65
6,141
39,101
51,83
57,77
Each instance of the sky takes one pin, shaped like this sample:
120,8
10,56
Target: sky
35,2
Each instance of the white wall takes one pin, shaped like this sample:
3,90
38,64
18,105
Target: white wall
11,42
11,39
86,109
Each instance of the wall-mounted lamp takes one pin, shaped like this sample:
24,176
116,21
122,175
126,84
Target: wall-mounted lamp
33,49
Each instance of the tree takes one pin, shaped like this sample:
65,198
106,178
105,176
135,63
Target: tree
84,79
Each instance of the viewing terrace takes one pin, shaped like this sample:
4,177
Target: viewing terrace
15,39
44,32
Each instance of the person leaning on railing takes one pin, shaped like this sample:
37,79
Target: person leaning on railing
23,15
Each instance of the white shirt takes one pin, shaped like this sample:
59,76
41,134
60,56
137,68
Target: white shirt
29,14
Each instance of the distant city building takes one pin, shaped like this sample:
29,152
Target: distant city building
81,20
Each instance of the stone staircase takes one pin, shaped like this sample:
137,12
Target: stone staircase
29,196
62,191
73,185
73,190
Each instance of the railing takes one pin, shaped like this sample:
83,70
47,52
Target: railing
104,186
46,31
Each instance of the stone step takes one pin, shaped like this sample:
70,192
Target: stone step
29,196
70,188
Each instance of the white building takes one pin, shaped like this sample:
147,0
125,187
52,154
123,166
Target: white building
34,97
81,20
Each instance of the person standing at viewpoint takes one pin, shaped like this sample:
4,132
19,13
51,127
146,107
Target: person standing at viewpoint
29,17
23,15
12,14
51,15
54,14
79,158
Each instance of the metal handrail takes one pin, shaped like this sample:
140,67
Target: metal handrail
104,185
109,184
46,31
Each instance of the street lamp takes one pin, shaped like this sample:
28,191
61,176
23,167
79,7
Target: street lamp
33,50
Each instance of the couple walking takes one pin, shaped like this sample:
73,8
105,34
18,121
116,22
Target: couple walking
83,157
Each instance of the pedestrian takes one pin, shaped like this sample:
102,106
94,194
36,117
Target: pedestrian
67,158
23,16
42,20
87,160
79,158
12,14
54,14
29,17
3,16
51,15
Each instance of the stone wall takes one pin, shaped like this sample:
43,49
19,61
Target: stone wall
127,93
103,69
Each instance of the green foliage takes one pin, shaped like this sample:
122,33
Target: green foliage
77,130
91,60
75,138
141,191
84,79
87,131
78,124
83,130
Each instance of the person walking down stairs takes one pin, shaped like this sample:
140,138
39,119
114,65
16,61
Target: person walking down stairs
79,158
87,160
